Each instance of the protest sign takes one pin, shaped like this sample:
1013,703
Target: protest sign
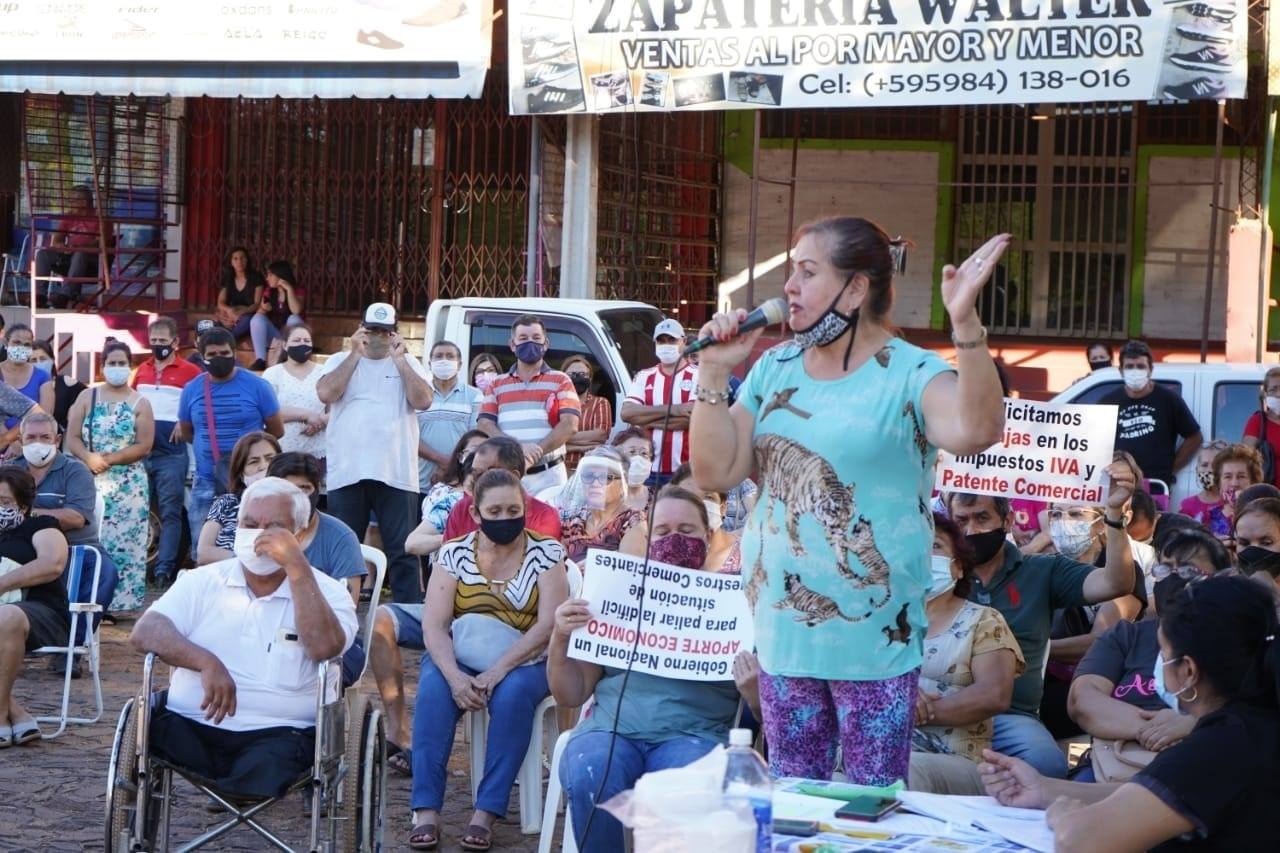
1053,452
690,625
570,56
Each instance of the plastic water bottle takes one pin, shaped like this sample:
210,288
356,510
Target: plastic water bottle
748,785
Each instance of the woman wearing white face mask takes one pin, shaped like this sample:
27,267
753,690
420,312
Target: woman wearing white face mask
19,373
599,517
970,661
110,429
249,461
1264,424
636,447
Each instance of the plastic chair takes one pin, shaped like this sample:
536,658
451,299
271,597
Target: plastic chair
1159,491
575,577
82,614
378,560
554,792
530,776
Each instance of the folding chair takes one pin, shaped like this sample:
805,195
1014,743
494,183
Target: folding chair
82,637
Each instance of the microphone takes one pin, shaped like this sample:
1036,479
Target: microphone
770,313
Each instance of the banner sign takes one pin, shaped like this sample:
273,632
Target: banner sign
570,56
222,31
691,624
1052,452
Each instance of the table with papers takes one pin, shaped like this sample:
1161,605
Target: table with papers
924,822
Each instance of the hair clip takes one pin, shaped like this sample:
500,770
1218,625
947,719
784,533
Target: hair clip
898,251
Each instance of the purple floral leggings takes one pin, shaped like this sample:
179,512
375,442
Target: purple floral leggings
804,719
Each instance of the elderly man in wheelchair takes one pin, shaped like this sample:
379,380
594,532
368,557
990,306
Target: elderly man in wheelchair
253,710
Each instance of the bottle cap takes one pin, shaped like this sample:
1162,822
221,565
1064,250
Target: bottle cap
740,737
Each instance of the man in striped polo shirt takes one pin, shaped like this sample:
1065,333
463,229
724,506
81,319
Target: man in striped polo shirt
671,382
535,405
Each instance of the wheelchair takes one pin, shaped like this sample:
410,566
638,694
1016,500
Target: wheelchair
347,779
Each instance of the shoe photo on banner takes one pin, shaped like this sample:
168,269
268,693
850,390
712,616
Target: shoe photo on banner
1207,31
1205,59
1199,89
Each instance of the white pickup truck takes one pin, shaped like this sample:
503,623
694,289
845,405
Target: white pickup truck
1220,396
616,336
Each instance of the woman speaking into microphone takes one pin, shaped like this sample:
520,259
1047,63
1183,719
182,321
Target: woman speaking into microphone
843,423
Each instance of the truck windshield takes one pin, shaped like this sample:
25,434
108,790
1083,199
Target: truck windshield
632,331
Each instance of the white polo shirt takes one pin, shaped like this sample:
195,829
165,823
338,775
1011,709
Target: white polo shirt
256,640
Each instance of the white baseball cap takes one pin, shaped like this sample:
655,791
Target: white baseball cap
380,315
669,326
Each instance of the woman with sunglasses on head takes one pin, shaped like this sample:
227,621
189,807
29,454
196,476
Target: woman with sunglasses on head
597,514
1113,694
1216,789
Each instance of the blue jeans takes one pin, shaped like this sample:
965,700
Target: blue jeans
397,512
168,475
435,719
582,769
1023,736
198,508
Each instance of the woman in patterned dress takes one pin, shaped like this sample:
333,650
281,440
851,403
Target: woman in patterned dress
110,428
599,517
843,424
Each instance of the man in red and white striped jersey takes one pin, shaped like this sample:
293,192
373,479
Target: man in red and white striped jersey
671,382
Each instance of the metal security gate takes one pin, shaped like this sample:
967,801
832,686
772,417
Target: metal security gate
1060,179
659,211
394,200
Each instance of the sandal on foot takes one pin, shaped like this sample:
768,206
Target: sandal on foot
476,838
425,837
26,732
6,737
400,759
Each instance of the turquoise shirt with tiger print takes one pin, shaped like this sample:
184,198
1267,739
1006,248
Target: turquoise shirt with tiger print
836,551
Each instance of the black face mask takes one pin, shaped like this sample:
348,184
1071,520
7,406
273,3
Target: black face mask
986,545
161,352
299,352
1099,365
1255,558
502,531
314,498
220,366
4,354
581,383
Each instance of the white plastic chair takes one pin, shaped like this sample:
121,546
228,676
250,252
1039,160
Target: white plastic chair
552,805
378,560
545,729
575,577
82,613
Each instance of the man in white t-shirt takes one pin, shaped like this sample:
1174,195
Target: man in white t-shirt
244,636
374,391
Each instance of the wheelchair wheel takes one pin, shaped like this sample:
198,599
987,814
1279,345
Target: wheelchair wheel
122,779
364,785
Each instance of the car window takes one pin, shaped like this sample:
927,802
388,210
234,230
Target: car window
1233,403
491,333
632,332
1095,393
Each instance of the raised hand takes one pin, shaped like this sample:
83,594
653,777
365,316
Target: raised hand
962,285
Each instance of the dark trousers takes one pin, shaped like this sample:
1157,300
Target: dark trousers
69,265
261,763
168,475
397,513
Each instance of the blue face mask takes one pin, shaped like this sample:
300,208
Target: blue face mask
530,352
1170,699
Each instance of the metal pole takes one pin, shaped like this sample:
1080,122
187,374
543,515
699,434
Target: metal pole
791,192
755,208
1264,212
534,217
1213,233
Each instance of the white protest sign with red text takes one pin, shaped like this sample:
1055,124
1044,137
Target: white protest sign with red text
1051,452
690,625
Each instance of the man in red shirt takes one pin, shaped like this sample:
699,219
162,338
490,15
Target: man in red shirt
502,452
160,379
73,253
671,382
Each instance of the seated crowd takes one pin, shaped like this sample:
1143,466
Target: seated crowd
1119,623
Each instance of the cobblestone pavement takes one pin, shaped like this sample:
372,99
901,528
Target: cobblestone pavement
54,792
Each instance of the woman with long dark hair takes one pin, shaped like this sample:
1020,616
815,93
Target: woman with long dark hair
843,423
239,292
279,309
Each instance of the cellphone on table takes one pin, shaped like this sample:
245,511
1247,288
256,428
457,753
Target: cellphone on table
796,828
867,808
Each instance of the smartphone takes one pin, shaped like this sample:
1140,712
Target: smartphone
867,808
796,828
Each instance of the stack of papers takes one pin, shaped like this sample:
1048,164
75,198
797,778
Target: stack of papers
1025,827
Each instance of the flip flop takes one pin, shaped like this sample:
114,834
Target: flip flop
26,732
425,837
6,737
484,836
400,759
